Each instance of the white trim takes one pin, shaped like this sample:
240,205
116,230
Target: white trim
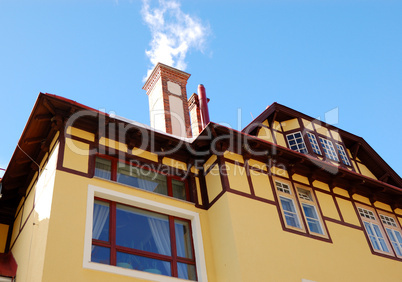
94,191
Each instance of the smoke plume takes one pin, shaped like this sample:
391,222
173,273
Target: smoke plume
173,32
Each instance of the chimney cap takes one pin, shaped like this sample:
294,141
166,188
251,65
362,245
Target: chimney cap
158,69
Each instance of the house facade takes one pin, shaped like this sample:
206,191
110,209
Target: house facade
92,197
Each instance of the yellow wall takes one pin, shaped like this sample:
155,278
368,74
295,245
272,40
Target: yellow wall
365,171
213,182
237,177
251,246
261,185
65,244
327,205
243,237
28,245
76,155
290,124
264,133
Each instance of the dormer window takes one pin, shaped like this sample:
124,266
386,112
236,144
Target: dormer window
329,149
314,143
296,142
342,154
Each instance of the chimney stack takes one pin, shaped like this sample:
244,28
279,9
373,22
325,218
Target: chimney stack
202,96
195,115
166,90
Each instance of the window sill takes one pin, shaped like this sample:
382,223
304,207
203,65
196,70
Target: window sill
130,272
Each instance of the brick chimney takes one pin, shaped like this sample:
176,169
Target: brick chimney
168,107
195,114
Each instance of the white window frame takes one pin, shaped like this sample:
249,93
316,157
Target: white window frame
343,154
95,191
369,217
314,143
329,149
312,203
390,224
297,144
290,197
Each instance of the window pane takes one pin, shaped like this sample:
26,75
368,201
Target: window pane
143,264
329,149
100,225
393,240
289,210
373,239
282,187
390,235
343,154
314,144
186,271
103,168
312,219
142,230
142,178
179,189
304,194
183,239
398,237
100,254
296,142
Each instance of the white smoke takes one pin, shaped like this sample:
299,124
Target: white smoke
173,32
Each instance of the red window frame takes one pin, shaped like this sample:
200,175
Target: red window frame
169,177
174,259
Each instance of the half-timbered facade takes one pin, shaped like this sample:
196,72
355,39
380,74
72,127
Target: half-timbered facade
92,197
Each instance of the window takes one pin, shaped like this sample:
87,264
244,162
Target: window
329,149
141,176
282,187
296,142
136,237
393,232
295,206
314,143
374,230
310,211
103,168
289,210
342,154
288,206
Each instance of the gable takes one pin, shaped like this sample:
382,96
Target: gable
291,129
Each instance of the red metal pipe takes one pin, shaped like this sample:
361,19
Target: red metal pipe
202,97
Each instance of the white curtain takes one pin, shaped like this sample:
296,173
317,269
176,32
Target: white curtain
181,249
103,168
161,235
101,214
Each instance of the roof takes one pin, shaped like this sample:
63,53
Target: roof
48,116
50,113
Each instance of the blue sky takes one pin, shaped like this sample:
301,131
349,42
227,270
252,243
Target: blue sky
312,56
